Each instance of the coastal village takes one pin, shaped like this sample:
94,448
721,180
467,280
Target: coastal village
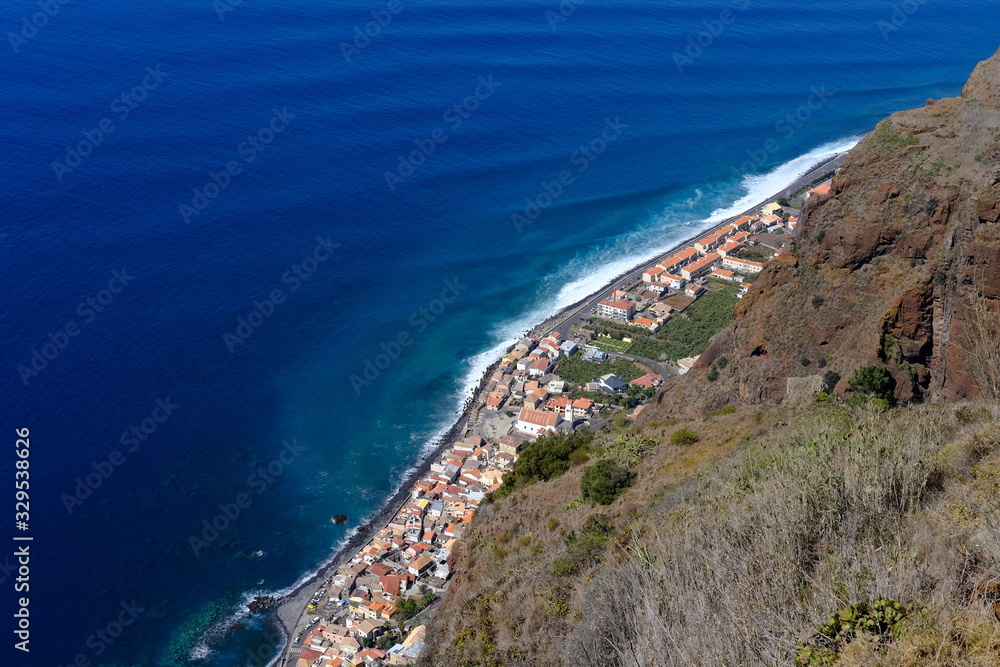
369,611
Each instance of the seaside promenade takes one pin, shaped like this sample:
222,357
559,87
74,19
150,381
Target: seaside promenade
291,611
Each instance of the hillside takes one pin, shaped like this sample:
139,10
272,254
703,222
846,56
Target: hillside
741,520
888,265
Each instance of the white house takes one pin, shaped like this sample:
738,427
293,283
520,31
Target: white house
621,310
537,422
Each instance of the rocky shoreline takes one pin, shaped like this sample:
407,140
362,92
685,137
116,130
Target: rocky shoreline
288,610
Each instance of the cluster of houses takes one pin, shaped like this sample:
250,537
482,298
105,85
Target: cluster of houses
715,255
406,559
362,600
526,381
369,595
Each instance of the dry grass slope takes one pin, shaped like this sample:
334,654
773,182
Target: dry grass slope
738,561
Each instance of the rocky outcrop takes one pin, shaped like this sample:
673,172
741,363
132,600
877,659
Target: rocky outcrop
886,265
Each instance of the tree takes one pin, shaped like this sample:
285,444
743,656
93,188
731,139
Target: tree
604,481
546,458
872,380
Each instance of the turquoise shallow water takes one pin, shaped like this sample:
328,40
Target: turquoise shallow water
296,263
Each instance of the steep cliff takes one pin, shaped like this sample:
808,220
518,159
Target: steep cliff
761,528
890,266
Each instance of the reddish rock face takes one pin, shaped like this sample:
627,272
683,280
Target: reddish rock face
910,233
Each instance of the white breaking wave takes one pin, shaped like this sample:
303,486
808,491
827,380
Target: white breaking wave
581,278
584,276
761,186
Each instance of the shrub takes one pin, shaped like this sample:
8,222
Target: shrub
604,481
872,380
599,526
881,621
546,458
805,361
817,301
563,566
713,374
722,362
820,235
683,436
830,380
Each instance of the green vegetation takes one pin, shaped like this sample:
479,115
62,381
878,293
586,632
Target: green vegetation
604,481
685,335
410,607
596,396
755,253
873,381
820,235
830,379
683,436
546,458
630,448
389,639
886,142
577,370
881,621
611,345
936,166
584,548
713,374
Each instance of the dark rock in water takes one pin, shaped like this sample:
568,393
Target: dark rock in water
339,519
263,603
235,627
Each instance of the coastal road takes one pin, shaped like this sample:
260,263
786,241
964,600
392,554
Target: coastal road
580,313
291,612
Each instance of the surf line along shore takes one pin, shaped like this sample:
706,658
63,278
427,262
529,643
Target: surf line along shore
289,610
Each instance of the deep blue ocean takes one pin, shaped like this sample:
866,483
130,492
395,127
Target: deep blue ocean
220,219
